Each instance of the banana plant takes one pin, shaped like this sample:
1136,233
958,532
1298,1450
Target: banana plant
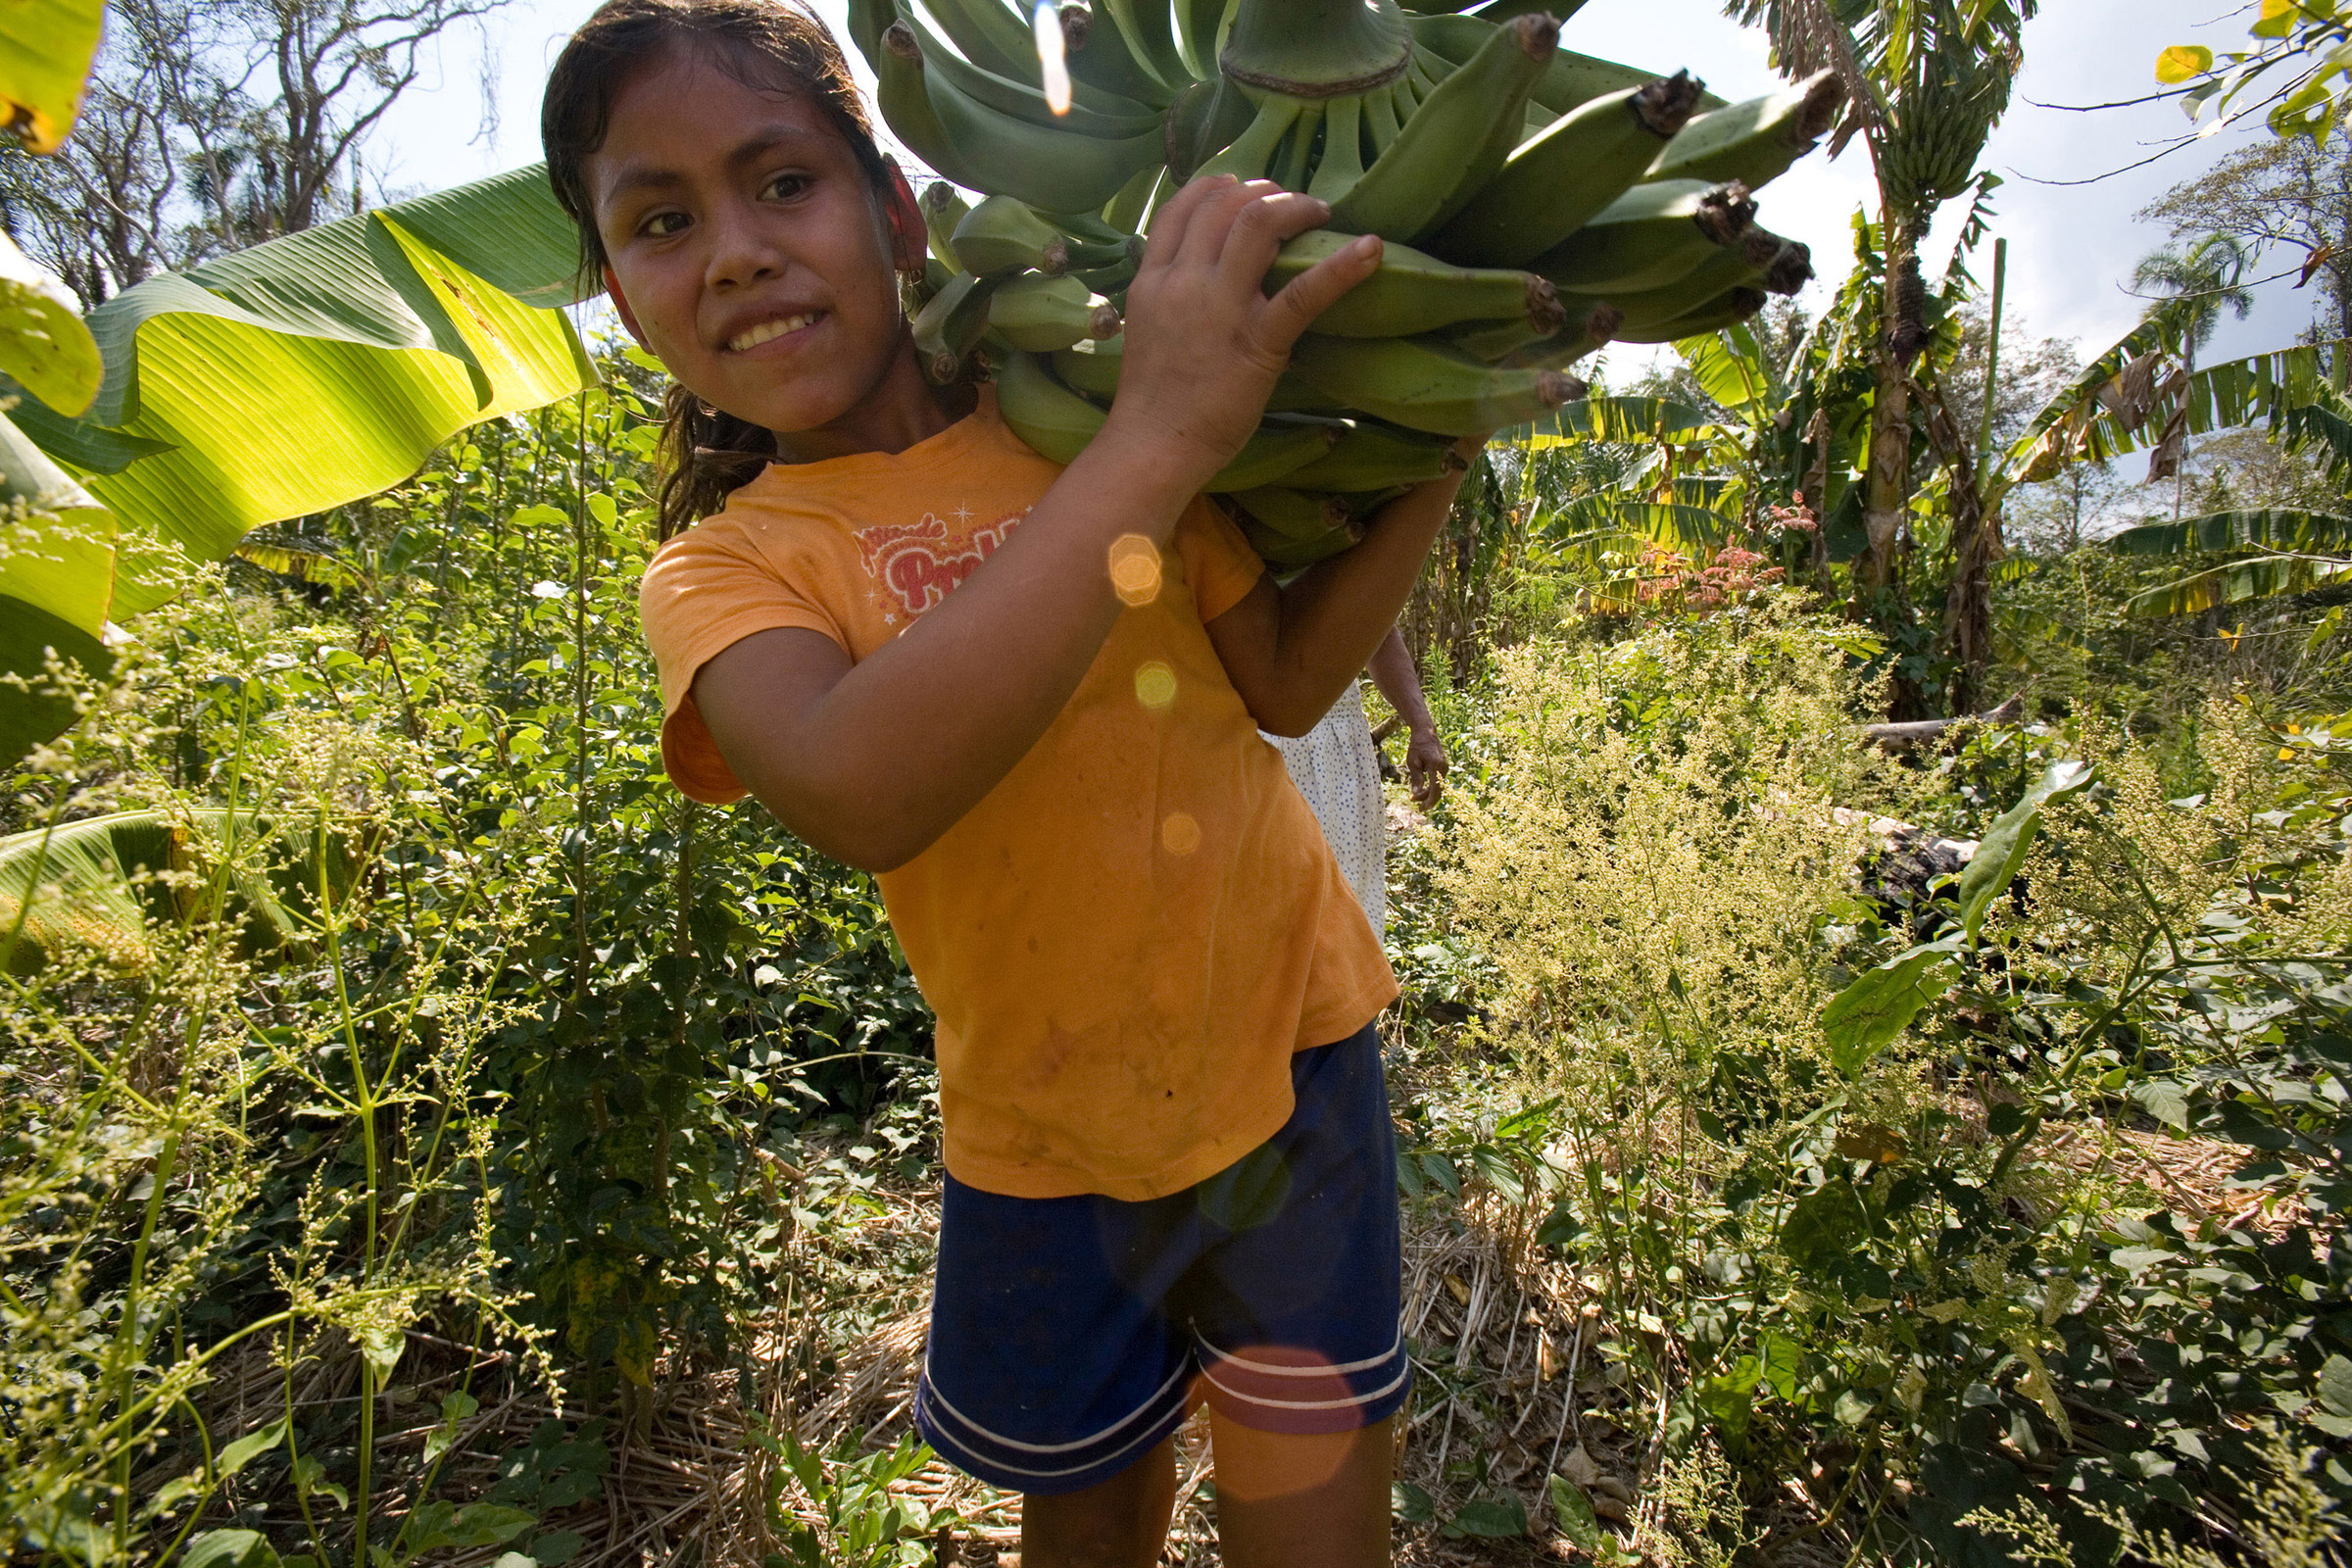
108,884
1930,80
274,384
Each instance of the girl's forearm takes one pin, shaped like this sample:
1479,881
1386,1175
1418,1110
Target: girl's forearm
1335,613
1392,672
873,761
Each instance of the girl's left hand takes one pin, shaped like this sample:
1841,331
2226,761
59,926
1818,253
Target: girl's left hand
1204,344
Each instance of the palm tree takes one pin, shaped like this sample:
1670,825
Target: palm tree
2204,279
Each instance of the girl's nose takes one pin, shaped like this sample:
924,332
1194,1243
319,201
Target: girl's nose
740,253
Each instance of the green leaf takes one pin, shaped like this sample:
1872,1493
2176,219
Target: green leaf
230,1548
325,366
249,1448
1410,1503
2335,1385
2182,62
1488,1519
2271,528
1823,1228
2164,1099
2004,846
57,582
1865,1017
556,1546
46,52
1571,1511
44,346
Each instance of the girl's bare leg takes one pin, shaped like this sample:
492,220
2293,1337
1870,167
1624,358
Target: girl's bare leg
1119,1523
1301,1503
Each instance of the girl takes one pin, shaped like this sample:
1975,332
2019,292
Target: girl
1027,697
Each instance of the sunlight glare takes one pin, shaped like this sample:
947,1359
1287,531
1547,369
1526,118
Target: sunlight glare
1050,57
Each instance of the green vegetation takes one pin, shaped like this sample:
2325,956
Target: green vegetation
425,1136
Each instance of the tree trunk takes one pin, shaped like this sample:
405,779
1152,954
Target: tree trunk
1887,490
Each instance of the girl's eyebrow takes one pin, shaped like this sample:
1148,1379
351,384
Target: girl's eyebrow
631,179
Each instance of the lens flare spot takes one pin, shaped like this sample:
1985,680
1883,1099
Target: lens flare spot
1052,58
1180,834
1135,568
1154,684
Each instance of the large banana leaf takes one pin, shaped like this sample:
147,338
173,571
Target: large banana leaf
57,574
1625,419
110,884
2274,529
2236,581
326,365
2299,551
46,52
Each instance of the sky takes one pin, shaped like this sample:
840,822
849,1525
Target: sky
2072,248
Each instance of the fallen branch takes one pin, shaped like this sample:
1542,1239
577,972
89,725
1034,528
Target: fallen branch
1898,737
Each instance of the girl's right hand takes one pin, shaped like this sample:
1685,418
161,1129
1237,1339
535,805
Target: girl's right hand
1203,342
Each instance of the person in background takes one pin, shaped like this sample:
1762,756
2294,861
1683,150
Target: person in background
1336,767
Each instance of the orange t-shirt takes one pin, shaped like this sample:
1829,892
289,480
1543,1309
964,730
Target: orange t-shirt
1126,939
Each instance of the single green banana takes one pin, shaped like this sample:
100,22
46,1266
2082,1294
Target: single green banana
1455,141
1728,310
1760,260
1203,121
1342,162
1091,367
866,20
1382,123
1292,515
1555,184
949,328
1002,236
1426,385
987,32
1373,457
1097,55
1055,422
943,208
1022,101
1274,453
1648,237
1251,154
1414,292
1199,30
1293,395
1039,314
1569,81
1056,170
1126,210
1596,329
1755,141
1292,159
1149,30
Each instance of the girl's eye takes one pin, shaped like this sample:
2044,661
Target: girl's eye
786,186
663,224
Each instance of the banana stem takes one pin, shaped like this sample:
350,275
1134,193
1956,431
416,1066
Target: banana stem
1317,48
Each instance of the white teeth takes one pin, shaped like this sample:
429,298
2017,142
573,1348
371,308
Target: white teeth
769,331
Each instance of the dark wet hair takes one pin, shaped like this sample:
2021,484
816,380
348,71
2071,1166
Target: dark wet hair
706,454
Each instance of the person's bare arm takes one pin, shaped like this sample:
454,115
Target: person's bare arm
871,763
1425,763
1290,651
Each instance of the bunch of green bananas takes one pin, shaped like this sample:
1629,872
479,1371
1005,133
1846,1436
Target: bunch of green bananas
1537,205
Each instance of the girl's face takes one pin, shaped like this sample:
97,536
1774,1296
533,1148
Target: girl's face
748,249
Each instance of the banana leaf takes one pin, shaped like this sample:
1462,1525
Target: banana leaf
2267,529
2237,581
324,366
57,574
1625,419
110,884
44,347
46,52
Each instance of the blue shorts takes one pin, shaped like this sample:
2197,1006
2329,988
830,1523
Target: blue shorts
1069,1335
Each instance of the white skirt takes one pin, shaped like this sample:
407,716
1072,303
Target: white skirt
1336,768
